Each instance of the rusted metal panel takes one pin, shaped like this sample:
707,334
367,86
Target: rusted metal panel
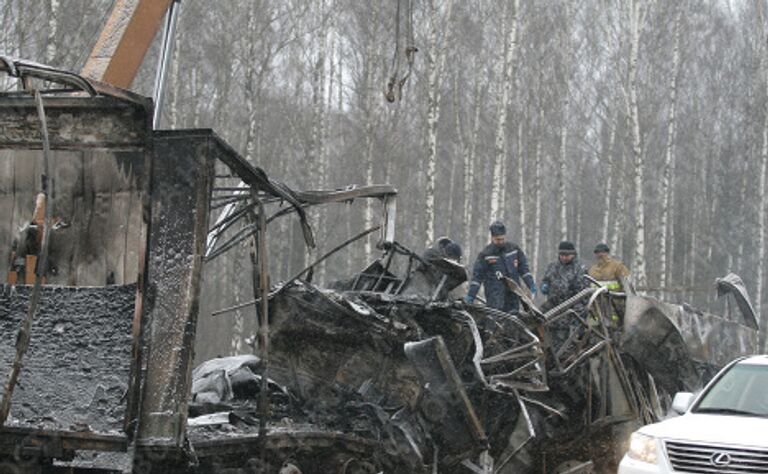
182,178
671,341
124,41
444,400
74,123
53,442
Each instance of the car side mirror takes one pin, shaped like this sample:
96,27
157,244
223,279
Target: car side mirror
681,402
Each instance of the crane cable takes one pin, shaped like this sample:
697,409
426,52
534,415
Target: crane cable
410,52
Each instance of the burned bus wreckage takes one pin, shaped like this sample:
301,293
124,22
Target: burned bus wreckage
383,371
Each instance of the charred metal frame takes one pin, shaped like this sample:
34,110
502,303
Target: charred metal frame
80,115
183,191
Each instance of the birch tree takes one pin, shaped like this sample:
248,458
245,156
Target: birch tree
468,146
51,51
608,191
370,119
253,78
435,57
762,198
669,160
318,150
521,194
636,18
271,27
562,171
537,184
509,30
619,220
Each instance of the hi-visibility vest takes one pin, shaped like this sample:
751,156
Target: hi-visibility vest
612,285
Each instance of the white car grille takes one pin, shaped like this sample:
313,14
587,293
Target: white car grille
709,458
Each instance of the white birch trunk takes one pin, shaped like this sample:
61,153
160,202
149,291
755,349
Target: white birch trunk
448,222
318,101
435,65
761,216
577,214
433,112
562,195
318,155
521,185
238,325
713,201
469,166
500,148
639,270
51,49
744,197
21,31
667,181
251,106
621,205
340,89
503,180
251,88
691,270
537,191
608,159
671,225
461,146
368,78
562,171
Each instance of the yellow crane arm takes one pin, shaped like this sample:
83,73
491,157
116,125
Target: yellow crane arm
124,40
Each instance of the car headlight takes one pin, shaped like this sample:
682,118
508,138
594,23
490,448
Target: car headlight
642,448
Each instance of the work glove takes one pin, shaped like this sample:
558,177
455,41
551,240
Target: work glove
544,288
533,289
469,299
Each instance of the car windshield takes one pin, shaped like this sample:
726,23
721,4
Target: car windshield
743,390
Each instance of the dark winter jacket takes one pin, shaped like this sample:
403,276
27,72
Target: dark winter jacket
508,259
563,281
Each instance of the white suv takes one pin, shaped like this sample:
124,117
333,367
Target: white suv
722,430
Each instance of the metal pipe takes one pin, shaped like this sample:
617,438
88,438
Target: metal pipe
263,325
169,35
241,235
25,332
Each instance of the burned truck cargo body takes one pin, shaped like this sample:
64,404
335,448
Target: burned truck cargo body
383,371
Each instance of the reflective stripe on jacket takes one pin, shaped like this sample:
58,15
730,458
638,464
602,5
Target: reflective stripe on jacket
613,285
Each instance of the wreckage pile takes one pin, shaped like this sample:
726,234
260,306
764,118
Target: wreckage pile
422,382
388,373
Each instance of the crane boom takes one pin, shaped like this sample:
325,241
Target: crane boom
124,40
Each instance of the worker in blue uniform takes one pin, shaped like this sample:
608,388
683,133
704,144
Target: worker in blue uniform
499,260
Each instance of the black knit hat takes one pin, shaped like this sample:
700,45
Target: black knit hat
453,250
566,248
601,247
497,228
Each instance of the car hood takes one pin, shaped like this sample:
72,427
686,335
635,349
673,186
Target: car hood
712,429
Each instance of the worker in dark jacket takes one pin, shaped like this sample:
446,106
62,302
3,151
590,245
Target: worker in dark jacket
443,247
498,260
563,278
